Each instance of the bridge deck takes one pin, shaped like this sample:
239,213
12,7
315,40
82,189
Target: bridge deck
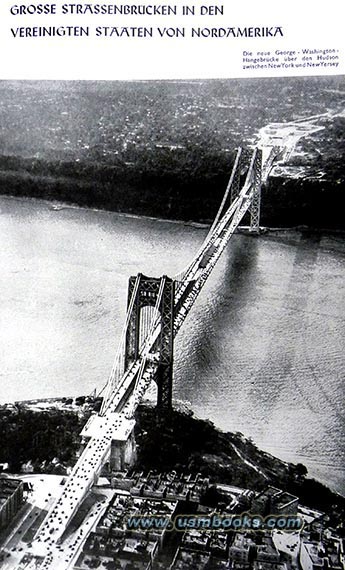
123,402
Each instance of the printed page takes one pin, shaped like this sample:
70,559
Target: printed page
172,319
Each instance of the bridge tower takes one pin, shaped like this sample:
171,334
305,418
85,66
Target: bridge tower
146,296
248,163
256,200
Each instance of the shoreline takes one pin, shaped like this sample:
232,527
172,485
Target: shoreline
83,406
56,205
185,442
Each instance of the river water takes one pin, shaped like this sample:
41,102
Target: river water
262,351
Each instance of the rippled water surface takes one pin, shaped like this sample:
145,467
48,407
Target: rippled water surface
262,351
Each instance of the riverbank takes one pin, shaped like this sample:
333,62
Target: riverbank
187,195
57,206
42,436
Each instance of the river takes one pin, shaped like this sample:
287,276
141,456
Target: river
262,351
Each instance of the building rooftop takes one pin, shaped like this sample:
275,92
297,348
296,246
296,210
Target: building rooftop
327,549
285,499
263,543
219,542
242,541
194,538
268,565
190,560
270,492
125,506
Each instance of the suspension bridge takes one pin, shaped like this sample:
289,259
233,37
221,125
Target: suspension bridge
156,310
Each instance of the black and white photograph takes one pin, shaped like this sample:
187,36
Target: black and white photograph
172,324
